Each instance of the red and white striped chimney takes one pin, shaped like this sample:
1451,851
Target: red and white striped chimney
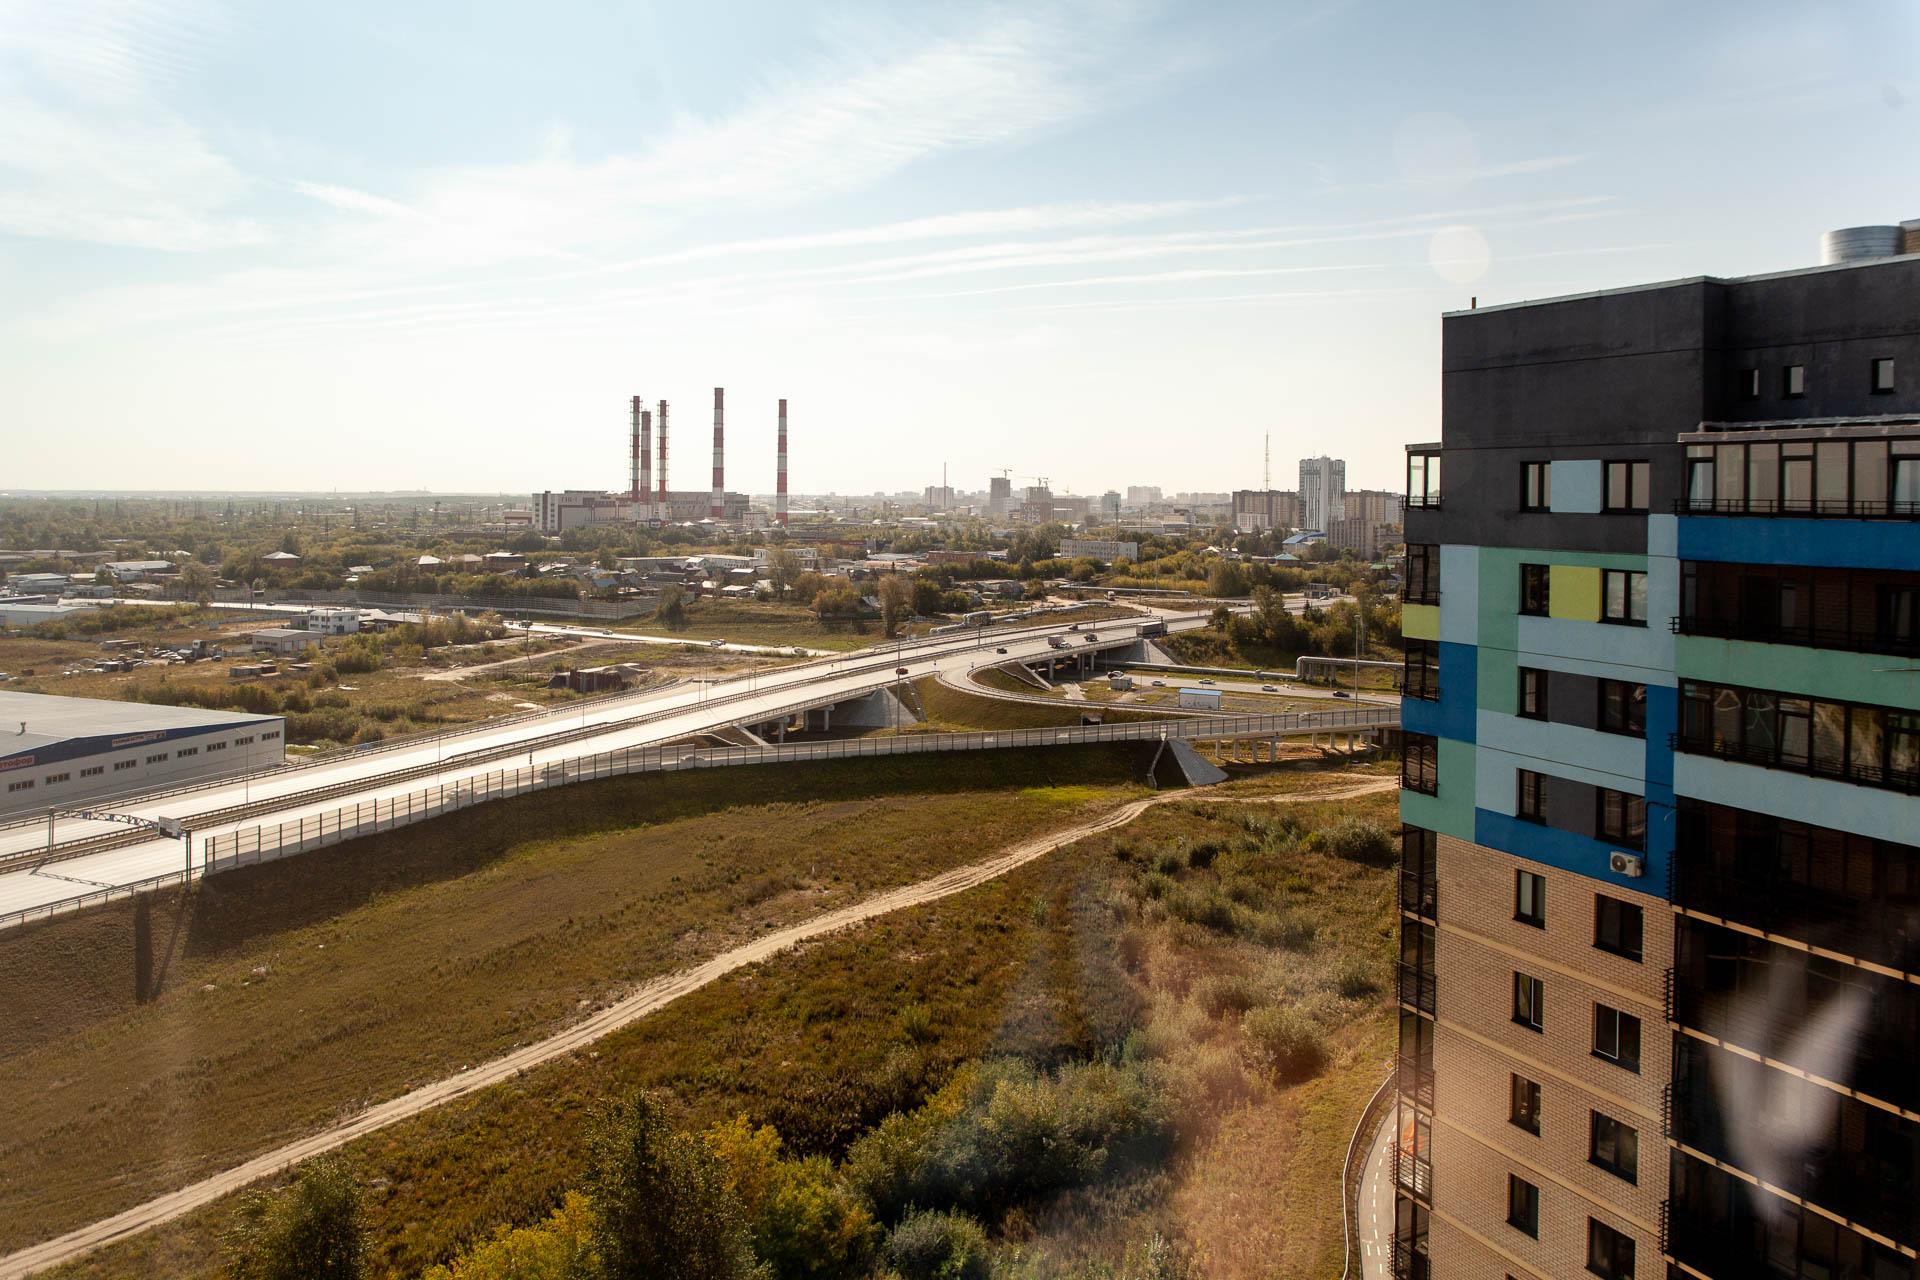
644,493
718,509
780,472
633,455
666,512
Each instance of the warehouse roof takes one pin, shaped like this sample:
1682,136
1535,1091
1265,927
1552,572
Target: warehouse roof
50,721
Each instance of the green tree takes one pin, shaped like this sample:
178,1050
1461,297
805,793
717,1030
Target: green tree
1226,578
896,599
783,570
661,1207
672,610
837,600
928,598
196,582
312,1230
931,1245
806,1225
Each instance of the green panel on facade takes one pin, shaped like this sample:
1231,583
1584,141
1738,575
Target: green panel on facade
1451,811
1420,621
1845,677
1498,688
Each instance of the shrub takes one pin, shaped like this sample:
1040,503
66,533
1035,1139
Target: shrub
1208,908
1169,862
916,1023
1201,855
1358,840
1283,929
312,1230
1227,994
560,1248
805,1224
1354,978
1283,1043
1155,885
932,1245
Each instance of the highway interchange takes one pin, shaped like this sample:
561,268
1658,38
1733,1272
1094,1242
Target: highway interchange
609,724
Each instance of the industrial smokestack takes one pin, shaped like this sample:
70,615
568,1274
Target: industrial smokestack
718,509
780,470
644,493
633,455
666,512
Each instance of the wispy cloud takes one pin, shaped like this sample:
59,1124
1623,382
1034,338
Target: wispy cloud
88,152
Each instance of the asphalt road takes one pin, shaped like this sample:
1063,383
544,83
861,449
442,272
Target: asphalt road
1376,1206
686,713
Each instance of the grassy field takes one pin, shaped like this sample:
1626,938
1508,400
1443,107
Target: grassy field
1047,964
760,622
296,991
948,708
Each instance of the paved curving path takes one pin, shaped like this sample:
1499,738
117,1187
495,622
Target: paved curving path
647,998
1376,1205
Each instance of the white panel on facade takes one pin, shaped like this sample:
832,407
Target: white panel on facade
1647,650
1663,536
1496,789
1572,751
1577,486
1459,593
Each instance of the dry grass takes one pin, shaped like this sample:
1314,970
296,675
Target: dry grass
298,990
760,622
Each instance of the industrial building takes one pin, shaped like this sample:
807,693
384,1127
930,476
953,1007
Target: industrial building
57,752
1659,978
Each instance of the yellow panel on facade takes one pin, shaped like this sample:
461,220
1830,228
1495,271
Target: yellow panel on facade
1420,621
1575,593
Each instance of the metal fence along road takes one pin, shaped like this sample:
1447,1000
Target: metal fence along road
259,844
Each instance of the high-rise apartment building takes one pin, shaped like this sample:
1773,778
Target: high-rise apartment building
1323,492
1140,495
1660,935
1265,509
999,496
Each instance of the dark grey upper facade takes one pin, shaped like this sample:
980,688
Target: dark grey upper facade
1623,373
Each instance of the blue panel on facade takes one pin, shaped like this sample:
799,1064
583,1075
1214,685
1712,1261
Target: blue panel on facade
1663,721
1839,544
1579,854
1453,715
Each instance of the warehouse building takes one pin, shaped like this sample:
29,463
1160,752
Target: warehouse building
57,752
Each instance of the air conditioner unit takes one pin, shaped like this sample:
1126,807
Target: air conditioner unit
1626,864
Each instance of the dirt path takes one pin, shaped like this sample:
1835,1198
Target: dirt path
647,998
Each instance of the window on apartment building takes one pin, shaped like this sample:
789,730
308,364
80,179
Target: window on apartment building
1523,1104
1746,383
1623,597
1529,1001
1793,381
1534,593
1629,486
1420,764
1423,573
1423,479
1882,379
1617,926
1530,801
1523,1205
1614,1147
1536,486
1869,745
1622,818
1533,693
1419,870
1609,1252
1623,708
1420,676
1530,899
1616,1037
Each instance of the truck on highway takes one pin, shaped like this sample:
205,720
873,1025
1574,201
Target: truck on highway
1157,627
1056,642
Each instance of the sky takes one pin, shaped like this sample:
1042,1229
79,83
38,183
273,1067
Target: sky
1107,242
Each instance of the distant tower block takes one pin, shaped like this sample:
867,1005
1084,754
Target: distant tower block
665,511
780,473
718,507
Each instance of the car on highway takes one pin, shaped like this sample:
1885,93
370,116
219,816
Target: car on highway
1074,627
899,671
1159,684
716,644
1341,693
1206,680
1267,688
1001,649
